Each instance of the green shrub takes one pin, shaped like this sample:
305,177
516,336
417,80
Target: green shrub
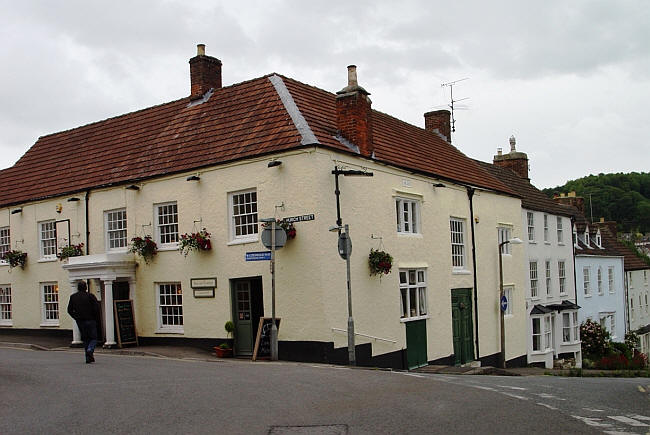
595,340
621,349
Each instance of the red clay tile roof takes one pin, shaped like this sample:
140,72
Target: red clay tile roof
631,261
239,121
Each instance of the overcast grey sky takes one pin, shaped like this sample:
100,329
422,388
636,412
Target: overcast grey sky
569,79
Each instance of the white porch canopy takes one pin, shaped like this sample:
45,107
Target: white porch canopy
106,268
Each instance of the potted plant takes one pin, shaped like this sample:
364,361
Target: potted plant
224,350
15,258
380,262
145,247
71,251
194,242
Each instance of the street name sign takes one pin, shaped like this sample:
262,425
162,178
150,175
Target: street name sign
258,256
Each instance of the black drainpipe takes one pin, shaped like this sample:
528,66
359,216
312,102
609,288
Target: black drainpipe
470,195
87,229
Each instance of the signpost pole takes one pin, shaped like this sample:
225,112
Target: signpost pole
351,347
274,328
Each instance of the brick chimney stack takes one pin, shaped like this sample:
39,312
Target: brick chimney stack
571,199
515,160
205,73
354,114
438,121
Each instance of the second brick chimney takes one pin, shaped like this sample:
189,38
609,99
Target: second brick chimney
354,114
571,199
205,73
515,160
439,121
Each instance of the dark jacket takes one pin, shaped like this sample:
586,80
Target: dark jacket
83,306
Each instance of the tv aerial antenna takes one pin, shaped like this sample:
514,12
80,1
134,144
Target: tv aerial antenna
450,85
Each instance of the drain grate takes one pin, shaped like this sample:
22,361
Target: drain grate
330,429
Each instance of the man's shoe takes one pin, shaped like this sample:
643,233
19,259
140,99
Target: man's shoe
92,357
88,358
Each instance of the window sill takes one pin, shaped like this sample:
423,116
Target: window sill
169,331
117,251
532,242
163,248
46,260
7,323
535,298
242,241
410,235
49,325
461,272
547,243
542,352
3,263
560,243
412,319
563,294
587,296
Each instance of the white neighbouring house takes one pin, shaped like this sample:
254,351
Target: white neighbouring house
553,323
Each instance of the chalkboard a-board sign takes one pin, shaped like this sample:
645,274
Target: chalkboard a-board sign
262,348
125,322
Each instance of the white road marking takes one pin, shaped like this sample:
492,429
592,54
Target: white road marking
512,388
615,432
628,420
547,406
592,421
413,375
593,410
640,417
484,388
515,396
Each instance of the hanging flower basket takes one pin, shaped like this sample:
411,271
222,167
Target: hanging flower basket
15,258
71,251
144,247
288,227
194,242
380,262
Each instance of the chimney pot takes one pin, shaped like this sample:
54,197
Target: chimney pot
352,76
354,114
499,151
200,50
512,144
205,73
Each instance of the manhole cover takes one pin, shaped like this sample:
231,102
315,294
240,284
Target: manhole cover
330,429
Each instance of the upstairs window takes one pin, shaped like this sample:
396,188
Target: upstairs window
457,227
546,228
549,288
47,239
561,273
530,218
407,215
610,279
243,216
504,234
115,223
5,242
532,269
585,283
167,224
560,234
600,281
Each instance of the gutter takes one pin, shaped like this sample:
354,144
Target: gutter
470,196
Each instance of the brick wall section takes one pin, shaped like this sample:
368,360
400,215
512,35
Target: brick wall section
439,120
354,120
576,201
519,165
205,73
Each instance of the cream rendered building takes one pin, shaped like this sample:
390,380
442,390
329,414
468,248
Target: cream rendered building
203,162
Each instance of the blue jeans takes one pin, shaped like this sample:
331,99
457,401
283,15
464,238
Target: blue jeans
88,329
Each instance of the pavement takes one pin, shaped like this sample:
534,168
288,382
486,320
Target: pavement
54,343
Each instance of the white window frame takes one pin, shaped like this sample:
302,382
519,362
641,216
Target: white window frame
587,236
548,341
599,280
47,245
560,231
6,312
115,227
168,229
249,230
50,310
458,260
561,274
586,281
533,279
576,327
5,242
504,233
166,303
539,335
546,228
610,279
413,282
632,308
566,327
509,293
408,221
530,220
547,273
599,239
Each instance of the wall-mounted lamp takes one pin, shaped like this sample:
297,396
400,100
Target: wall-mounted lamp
16,211
73,199
133,187
274,163
193,178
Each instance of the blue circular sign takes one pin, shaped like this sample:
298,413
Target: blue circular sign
504,303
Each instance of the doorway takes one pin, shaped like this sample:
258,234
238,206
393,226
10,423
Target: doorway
248,307
461,317
416,344
121,291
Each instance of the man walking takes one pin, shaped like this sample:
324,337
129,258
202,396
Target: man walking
84,309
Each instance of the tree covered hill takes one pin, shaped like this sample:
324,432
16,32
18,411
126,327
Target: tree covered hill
624,198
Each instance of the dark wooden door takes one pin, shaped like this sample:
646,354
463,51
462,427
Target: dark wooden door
416,343
462,325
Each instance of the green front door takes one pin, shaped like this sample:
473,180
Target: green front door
243,318
461,317
416,343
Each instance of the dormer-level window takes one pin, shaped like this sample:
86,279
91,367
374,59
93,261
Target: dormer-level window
575,236
587,236
598,240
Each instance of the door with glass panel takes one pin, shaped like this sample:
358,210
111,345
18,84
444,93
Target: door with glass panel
243,317
413,302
